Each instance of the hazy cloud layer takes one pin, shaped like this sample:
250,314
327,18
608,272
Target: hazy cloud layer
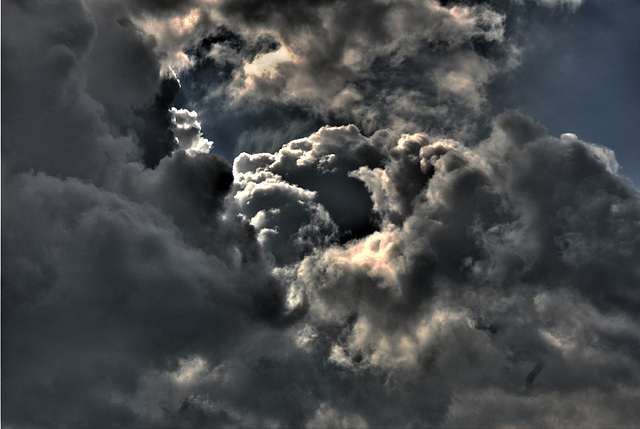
415,261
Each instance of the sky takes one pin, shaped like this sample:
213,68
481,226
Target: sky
321,213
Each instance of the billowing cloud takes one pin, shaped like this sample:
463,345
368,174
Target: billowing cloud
472,276
336,62
384,250
188,132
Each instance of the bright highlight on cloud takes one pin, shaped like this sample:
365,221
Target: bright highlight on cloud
266,65
386,247
187,131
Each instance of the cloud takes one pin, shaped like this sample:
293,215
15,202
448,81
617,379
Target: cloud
114,280
158,138
287,219
337,63
426,286
186,128
387,268
571,4
44,82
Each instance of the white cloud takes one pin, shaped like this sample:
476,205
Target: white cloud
188,132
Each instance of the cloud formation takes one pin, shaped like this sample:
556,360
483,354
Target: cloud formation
405,65
384,250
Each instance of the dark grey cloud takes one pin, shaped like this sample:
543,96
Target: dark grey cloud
158,140
384,250
45,82
100,290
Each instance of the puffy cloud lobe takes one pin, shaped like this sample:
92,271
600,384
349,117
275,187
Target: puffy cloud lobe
471,268
189,188
288,221
473,201
188,132
317,167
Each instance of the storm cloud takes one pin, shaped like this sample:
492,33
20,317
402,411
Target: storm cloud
248,214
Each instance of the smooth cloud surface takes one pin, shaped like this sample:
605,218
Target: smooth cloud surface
416,261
